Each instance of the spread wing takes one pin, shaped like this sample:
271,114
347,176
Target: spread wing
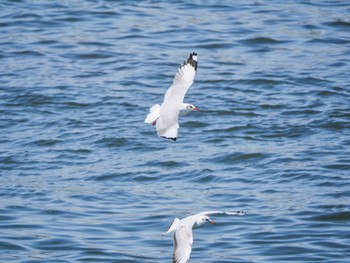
183,241
232,213
182,82
167,125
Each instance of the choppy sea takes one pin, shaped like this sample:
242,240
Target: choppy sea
84,179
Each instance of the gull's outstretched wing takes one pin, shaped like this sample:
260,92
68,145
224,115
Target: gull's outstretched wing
232,213
183,241
182,82
167,125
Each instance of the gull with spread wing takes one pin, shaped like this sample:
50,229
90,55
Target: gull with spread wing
183,238
166,116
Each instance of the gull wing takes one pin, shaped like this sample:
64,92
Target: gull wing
232,213
167,125
183,241
182,82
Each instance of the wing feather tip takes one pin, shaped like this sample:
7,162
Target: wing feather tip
169,138
192,60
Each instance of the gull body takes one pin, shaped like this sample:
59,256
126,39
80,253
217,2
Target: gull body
165,116
183,237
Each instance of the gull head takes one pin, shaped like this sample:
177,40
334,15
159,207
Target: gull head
202,220
191,107
187,108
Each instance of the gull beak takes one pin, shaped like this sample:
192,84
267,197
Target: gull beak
196,109
211,222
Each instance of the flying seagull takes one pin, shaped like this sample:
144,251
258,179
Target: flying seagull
166,116
183,238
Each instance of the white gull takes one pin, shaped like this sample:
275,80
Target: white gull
183,238
166,116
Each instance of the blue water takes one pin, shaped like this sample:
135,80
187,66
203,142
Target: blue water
84,179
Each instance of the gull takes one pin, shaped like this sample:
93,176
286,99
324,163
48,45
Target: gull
183,238
166,116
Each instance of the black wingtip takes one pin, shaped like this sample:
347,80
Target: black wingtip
169,138
193,62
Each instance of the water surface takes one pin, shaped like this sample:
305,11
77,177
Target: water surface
83,179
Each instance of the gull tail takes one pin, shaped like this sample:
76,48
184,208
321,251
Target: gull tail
153,114
172,227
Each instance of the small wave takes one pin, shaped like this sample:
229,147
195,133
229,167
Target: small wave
262,40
